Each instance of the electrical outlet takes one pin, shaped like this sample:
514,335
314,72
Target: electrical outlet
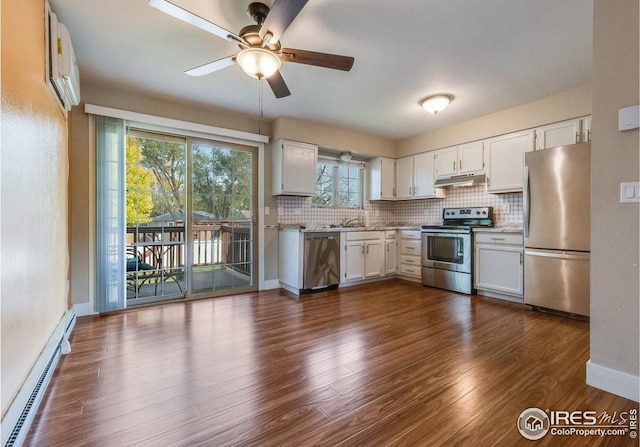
297,211
506,208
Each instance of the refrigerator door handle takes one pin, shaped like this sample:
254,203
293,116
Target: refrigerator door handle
560,255
525,201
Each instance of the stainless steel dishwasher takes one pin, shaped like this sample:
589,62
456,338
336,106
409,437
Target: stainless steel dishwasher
321,261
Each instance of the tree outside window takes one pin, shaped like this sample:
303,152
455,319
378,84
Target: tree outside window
338,185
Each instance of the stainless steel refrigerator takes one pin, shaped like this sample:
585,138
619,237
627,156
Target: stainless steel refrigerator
556,228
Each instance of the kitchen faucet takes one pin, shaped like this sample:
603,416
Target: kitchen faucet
346,222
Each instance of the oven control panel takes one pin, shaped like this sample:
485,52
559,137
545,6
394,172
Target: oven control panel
468,213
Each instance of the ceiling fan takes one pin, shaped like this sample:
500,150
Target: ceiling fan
260,53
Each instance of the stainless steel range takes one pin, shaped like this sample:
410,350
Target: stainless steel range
447,249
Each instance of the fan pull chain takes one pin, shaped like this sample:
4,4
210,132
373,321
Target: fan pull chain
260,107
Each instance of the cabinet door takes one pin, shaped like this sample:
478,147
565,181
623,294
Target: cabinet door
446,161
471,157
499,268
373,258
387,178
391,257
404,178
586,129
505,161
558,134
382,178
299,168
354,257
424,176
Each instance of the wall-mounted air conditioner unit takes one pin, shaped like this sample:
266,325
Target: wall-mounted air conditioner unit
62,67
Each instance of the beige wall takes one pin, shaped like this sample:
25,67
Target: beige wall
331,137
33,199
567,105
614,225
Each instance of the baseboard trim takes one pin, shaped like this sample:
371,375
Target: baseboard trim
270,284
84,309
613,381
16,422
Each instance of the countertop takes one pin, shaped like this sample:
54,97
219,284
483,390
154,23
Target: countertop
309,228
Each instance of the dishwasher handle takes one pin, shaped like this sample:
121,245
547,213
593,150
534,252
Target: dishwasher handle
315,236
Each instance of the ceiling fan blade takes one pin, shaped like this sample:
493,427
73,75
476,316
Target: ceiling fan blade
277,84
326,60
282,13
212,66
193,19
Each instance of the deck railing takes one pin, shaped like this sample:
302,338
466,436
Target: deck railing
214,244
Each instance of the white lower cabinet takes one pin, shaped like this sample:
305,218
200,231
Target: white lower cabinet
363,255
410,254
499,259
390,253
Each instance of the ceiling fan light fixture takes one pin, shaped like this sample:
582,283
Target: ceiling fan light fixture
258,62
436,103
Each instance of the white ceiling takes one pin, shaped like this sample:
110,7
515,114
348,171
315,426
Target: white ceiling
490,54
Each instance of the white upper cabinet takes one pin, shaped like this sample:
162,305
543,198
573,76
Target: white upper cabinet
382,178
446,161
457,160
471,157
559,134
294,168
404,178
505,161
586,129
424,177
415,176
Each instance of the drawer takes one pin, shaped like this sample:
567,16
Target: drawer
411,270
363,235
500,238
410,260
410,247
390,234
410,234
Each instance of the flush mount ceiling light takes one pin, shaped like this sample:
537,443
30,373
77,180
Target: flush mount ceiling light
258,62
345,156
436,103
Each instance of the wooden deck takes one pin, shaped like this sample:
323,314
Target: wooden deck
223,278
390,363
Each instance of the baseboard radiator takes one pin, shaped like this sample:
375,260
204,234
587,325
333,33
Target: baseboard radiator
18,419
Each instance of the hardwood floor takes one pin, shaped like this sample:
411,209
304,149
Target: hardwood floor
390,363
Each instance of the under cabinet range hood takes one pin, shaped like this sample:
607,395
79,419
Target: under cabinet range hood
476,179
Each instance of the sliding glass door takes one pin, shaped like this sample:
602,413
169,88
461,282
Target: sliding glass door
156,198
221,233
190,207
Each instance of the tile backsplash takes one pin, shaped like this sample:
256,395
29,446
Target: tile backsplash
507,209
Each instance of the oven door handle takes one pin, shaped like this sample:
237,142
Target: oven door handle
451,234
